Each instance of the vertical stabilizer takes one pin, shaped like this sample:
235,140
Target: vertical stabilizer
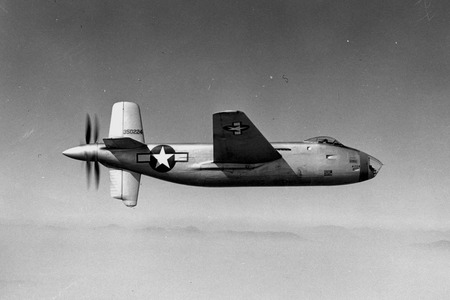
124,186
126,121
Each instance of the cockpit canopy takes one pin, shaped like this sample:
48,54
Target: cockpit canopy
325,140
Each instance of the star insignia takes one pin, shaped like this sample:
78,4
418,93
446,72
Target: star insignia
236,128
162,158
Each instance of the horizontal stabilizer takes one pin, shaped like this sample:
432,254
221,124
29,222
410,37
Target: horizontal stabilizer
122,143
237,140
124,185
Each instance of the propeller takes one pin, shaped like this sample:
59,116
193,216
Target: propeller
89,129
88,133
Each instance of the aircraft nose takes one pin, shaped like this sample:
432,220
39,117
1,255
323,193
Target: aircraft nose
374,166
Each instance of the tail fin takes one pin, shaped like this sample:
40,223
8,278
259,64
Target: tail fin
126,121
125,186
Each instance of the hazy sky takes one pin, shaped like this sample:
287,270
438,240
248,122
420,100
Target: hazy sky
373,74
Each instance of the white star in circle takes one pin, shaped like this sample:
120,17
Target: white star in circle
162,158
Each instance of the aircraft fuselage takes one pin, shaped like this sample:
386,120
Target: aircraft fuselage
301,164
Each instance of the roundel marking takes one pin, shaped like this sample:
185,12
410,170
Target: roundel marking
162,158
237,128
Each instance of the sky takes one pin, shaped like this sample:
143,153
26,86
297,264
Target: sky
374,75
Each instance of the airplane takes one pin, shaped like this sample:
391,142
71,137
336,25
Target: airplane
239,156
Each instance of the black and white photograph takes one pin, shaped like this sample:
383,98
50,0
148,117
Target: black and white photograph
206,149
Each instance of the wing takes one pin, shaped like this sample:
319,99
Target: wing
237,140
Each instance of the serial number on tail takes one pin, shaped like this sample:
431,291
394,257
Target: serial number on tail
133,131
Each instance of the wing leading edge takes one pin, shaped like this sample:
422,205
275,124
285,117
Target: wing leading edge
237,140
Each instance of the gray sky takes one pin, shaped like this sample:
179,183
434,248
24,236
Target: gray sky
373,74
